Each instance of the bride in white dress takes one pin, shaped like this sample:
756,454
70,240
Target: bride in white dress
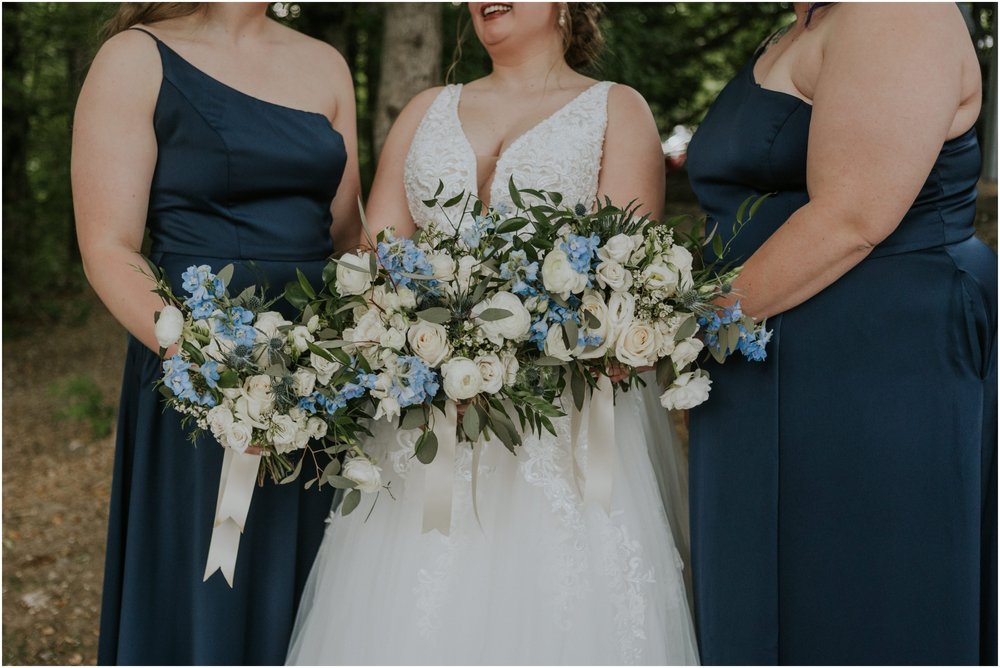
546,578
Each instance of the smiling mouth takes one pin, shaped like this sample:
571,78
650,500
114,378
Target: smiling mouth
495,11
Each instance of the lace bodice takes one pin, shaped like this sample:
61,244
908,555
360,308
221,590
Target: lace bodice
561,153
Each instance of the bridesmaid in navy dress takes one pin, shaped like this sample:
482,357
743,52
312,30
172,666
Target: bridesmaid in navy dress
240,172
843,493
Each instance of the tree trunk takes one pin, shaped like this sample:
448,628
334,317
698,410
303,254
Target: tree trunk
411,60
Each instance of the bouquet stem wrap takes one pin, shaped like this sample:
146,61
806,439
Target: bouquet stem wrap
236,485
600,442
440,474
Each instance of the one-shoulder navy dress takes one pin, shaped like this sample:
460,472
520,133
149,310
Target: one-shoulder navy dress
843,493
243,181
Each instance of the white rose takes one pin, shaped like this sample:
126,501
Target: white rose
301,338
621,310
555,346
169,326
353,276
258,388
392,338
324,369
593,303
612,275
680,258
637,345
442,266
237,436
659,276
513,327
665,332
462,379
366,475
688,390
558,275
429,341
219,419
367,330
617,249
511,366
267,325
283,434
304,382
465,266
686,351
316,427
492,370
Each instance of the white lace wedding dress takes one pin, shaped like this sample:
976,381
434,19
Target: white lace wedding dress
546,579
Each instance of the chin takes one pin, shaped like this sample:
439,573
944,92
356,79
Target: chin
499,23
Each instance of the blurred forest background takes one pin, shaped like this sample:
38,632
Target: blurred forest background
63,359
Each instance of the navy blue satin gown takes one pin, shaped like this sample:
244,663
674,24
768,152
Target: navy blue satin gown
243,181
843,493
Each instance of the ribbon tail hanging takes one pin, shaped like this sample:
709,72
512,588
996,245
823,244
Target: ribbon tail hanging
601,444
236,485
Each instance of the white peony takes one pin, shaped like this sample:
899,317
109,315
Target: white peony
353,275
614,276
169,326
304,381
283,434
511,367
637,345
658,276
362,472
324,369
688,390
559,277
492,371
316,427
686,351
593,303
555,345
617,249
461,378
442,266
219,419
429,341
237,436
513,327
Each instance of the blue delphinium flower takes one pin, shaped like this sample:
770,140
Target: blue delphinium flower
210,372
589,340
524,274
415,383
235,324
581,251
204,288
753,345
473,233
178,379
402,256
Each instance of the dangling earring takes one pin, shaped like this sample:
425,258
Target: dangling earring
562,17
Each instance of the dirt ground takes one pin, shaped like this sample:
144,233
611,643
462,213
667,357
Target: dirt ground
56,481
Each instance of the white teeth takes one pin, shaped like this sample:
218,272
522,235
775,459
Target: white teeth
493,9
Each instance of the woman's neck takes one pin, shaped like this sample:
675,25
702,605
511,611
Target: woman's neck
235,21
530,68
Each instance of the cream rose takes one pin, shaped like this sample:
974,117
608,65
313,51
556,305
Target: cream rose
324,368
363,473
429,341
511,367
614,276
367,330
169,326
555,346
637,344
513,327
492,371
353,275
304,382
686,351
559,277
617,249
442,266
219,419
237,436
688,390
284,433
621,311
462,379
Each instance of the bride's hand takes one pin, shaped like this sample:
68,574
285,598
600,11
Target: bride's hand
617,373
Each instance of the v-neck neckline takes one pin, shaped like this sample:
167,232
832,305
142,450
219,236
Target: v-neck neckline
491,183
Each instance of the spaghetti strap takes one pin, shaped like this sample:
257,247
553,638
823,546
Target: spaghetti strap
155,38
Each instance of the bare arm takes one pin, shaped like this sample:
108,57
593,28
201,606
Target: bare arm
387,205
346,217
632,167
886,98
114,155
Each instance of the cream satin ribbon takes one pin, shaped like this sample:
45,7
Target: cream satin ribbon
600,443
236,484
439,476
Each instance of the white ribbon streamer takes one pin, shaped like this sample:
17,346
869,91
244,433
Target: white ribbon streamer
439,477
600,408
236,485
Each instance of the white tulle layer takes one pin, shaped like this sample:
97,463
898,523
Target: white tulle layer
546,579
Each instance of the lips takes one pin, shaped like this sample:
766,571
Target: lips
495,11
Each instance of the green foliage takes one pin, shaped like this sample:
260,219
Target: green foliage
80,400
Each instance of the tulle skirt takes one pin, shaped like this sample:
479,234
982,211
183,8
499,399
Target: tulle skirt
542,578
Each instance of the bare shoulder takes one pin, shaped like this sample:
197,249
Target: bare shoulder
904,21
127,66
626,106
418,105
309,49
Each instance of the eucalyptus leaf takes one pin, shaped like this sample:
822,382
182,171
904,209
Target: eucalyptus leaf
593,322
665,374
291,477
471,423
319,351
427,447
494,314
341,482
453,201
350,502
413,418
436,314
571,334
579,387
307,288
687,329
